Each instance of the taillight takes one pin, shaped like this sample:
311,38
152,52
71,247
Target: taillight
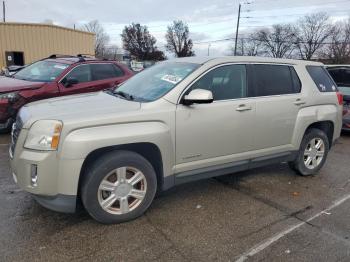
340,98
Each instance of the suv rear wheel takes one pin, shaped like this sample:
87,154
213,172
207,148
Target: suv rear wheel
118,187
312,154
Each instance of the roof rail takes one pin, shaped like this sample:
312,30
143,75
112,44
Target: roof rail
81,58
86,55
59,56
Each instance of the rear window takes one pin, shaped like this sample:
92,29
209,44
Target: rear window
322,79
337,75
275,80
346,77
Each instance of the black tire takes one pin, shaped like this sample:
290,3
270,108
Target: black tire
298,164
97,171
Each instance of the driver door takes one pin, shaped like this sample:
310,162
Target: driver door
82,73
220,132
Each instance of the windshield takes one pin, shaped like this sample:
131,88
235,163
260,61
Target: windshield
156,81
42,71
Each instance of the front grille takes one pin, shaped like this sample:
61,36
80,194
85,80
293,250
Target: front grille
16,130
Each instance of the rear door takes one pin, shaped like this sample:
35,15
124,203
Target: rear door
92,77
277,90
106,75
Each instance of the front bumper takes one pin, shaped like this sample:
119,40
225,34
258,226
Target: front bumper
57,181
59,203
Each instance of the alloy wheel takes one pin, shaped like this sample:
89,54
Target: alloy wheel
122,190
314,153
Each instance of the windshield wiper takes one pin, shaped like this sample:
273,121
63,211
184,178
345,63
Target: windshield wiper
124,95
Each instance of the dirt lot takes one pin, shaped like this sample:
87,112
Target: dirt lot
266,214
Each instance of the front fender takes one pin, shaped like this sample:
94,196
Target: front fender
78,144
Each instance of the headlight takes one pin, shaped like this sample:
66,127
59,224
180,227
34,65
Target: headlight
44,135
10,96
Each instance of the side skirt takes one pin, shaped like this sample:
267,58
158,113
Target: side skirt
225,169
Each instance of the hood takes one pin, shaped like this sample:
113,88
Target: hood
9,84
77,108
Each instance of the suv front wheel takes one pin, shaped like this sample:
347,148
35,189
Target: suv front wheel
312,154
118,187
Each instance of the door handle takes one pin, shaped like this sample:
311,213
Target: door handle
299,102
243,107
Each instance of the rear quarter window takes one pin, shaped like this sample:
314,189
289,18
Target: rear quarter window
322,79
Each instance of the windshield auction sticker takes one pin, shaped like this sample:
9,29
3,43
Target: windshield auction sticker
171,79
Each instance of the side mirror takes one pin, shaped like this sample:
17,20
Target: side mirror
70,81
198,96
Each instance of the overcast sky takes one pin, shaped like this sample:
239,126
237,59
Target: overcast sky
208,20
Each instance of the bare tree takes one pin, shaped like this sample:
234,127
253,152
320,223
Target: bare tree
248,46
277,41
312,31
111,52
178,40
102,39
140,43
338,51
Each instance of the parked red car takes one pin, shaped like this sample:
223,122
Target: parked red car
56,76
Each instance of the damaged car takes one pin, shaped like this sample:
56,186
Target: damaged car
56,76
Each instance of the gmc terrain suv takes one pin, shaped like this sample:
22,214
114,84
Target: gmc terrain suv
56,76
176,122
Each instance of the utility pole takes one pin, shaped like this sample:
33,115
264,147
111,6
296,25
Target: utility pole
3,12
239,17
209,48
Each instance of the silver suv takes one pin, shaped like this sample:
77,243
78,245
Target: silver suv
176,122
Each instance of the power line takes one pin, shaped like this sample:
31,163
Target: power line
254,39
191,26
271,16
275,1
246,17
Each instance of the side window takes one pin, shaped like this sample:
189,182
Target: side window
225,82
295,79
321,78
82,73
118,71
105,71
275,80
